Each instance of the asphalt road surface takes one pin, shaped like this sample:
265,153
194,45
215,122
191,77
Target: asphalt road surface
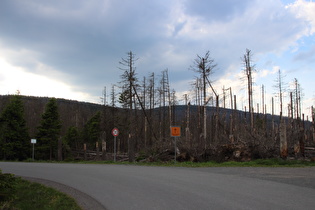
142,187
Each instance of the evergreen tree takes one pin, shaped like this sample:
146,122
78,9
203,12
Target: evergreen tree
92,129
48,132
70,142
14,137
72,138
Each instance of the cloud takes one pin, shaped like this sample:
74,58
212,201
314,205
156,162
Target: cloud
80,43
33,84
304,10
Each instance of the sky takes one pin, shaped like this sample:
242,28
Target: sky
72,48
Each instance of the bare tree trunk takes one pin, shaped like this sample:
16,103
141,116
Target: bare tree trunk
131,134
145,117
187,134
283,141
297,99
152,102
248,72
231,97
302,136
263,98
313,123
205,125
291,105
272,120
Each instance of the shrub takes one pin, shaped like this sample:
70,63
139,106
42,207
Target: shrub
7,186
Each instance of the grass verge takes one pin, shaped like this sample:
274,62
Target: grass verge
29,195
254,163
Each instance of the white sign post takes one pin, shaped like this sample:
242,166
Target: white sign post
33,141
115,133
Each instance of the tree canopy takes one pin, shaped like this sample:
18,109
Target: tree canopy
14,137
49,131
92,129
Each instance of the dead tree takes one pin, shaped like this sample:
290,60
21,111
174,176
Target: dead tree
224,96
128,81
187,121
313,123
280,86
151,92
248,70
297,94
204,66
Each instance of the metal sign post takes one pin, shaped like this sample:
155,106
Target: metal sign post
115,133
175,132
175,149
33,141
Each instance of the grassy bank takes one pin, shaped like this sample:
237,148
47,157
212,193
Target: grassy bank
16,193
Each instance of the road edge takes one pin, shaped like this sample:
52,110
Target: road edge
85,201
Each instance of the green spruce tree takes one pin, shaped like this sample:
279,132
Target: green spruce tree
14,137
71,141
92,129
72,138
48,132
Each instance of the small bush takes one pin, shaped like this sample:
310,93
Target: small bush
7,186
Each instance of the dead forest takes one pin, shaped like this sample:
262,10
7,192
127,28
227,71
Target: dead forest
231,134
213,128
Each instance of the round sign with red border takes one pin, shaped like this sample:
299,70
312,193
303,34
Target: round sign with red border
115,132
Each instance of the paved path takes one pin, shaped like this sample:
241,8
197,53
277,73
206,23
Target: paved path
142,187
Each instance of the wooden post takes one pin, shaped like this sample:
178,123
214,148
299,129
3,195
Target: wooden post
84,148
103,149
97,151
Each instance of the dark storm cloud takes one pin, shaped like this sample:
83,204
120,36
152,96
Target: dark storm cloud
86,39
81,38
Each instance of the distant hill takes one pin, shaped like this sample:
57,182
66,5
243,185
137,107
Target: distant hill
72,113
76,113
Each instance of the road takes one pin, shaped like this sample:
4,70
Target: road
144,187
